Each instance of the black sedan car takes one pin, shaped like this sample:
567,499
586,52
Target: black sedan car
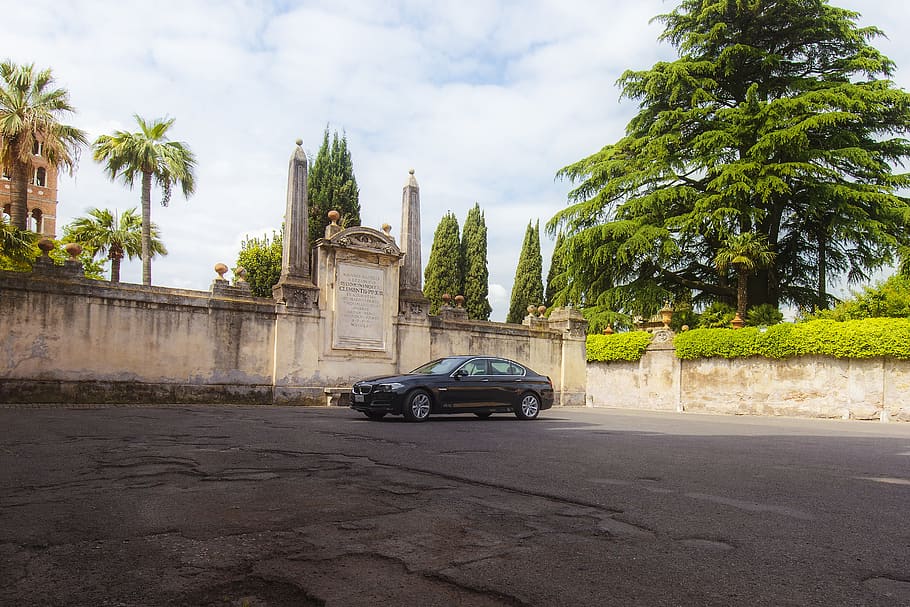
481,385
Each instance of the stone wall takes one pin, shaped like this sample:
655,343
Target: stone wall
808,386
72,340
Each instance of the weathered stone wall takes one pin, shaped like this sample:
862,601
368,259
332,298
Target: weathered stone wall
73,340
86,341
808,386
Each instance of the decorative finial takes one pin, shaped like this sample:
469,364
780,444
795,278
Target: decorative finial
411,172
334,216
220,269
300,142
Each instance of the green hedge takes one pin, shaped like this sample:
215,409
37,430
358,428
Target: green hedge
866,338
619,346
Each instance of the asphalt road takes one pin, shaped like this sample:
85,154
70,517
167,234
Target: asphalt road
268,506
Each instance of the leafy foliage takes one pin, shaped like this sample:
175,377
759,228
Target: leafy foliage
476,273
890,298
556,276
527,288
149,155
331,186
765,315
777,119
717,315
630,345
865,338
261,258
442,274
30,112
17,247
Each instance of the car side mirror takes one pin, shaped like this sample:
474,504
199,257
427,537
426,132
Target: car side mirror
460,373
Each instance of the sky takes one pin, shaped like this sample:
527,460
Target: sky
485,99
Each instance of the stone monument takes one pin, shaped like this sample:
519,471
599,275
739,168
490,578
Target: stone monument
295,287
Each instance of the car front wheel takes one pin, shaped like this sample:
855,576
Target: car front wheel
529,407
417,406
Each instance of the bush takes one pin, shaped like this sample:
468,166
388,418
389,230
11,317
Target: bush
764,315
717,316
866,338
618,346
888,299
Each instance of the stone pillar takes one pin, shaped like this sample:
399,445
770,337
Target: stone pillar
411,299
571,385
660,374
295,287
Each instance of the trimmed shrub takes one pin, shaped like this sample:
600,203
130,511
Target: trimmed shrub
630,345
866,338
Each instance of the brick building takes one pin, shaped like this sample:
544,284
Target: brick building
42,195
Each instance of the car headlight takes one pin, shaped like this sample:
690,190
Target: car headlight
391,387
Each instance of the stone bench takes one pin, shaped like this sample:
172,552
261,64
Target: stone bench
337,397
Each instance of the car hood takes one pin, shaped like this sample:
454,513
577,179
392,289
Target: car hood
388,379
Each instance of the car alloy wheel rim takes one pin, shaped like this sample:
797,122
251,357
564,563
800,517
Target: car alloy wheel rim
529,405
420,406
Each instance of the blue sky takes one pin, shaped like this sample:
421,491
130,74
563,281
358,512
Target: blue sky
486,100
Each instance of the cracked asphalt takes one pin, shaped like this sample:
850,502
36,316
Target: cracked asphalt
278,506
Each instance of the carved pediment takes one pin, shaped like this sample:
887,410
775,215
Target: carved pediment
360,237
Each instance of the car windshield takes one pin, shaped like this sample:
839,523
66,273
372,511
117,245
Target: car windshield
442,366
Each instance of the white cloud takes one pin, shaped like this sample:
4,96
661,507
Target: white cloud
485,99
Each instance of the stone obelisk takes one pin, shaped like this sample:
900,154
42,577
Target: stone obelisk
295,287
411,300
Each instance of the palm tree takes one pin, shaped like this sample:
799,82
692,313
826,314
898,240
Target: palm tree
29,111
103,232
150,155
16,246
746,252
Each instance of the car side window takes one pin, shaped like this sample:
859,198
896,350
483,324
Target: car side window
479,367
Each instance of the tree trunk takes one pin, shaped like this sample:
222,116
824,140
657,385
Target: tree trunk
18,200
742,292
822,270
147,228
116,255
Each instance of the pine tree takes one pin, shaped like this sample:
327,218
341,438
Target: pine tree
443,272
527,289
556,277
331,186
778,119
476,273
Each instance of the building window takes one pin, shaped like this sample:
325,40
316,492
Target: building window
37,148
41,177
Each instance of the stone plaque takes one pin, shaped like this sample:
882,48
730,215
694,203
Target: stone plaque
359,304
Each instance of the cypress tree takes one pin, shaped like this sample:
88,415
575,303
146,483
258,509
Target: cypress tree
443,272
476,273
331,185
556,277
527,289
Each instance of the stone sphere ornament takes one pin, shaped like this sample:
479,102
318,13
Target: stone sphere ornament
334,216
541,310
459,301
531,309
46,245
220,269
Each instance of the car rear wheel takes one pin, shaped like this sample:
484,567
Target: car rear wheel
529,406
417,406
483,414
375,415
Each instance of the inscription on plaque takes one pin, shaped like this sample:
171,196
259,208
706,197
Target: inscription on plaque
359,302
